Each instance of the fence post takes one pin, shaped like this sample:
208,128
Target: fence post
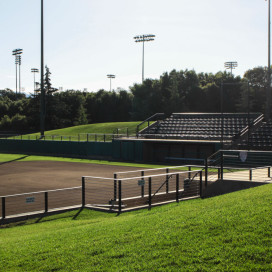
104,138
200,184
167,180
268,171
222,164
120,195
3,207
115,187
87,137
250,174
46,202
83,192
189,173
177,188
142,187
206,173
78,137
149,193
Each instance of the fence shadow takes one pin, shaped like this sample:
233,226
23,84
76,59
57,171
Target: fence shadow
18,159
77,214
222,187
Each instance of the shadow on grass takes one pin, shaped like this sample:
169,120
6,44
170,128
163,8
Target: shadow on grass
77,214
18,159
40,219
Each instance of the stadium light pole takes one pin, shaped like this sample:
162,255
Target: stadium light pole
143,39
268,90
42,101
231,65
17,52
110,77
34,71
19,63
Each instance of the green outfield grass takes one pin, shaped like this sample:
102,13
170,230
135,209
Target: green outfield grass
225,233
22,157
79,133
4,158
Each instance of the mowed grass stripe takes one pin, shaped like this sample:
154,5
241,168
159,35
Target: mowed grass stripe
225,233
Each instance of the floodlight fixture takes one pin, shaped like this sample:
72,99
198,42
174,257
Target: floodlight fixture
231,65
110,76
34,71
17,51
144,38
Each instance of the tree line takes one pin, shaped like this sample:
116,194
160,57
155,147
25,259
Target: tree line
176,91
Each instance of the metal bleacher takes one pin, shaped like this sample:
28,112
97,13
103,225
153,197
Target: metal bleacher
200,126
260,139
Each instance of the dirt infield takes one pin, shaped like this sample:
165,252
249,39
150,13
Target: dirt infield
23,177
27,177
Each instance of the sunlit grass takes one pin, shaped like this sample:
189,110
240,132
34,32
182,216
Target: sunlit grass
226,233
91,132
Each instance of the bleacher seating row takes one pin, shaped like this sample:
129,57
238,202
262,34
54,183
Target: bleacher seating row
199,126
260,139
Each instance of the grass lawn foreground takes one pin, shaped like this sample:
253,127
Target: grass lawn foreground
225,233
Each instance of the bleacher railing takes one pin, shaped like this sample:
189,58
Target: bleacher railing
154,117
240,164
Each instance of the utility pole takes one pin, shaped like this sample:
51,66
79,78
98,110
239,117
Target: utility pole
268,90
42,105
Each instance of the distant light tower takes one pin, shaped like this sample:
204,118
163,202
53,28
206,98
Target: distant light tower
231,65
143,39
34,71
110,77
17,53
19,57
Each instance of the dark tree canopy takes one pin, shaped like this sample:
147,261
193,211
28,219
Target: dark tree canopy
176,91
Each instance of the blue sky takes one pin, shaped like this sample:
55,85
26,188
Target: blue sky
87,39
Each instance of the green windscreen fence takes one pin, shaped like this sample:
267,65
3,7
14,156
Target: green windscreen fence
58,148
